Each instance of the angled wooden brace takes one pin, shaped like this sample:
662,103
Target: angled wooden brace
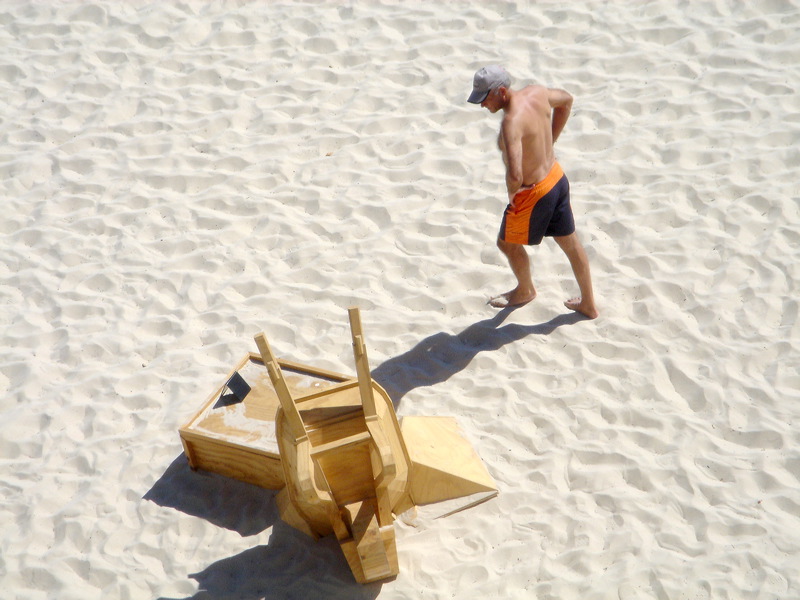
285,397
362,365
383,464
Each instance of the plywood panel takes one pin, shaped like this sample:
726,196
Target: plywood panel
254,467
349,474
444,464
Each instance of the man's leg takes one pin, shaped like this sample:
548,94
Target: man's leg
520,265
572,247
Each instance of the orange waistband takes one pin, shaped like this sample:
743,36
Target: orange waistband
545,185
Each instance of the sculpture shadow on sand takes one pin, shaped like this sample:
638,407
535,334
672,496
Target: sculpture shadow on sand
290,566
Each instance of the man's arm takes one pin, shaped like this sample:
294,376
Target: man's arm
512,156
561,103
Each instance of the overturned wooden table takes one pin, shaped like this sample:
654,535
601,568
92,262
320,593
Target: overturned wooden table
334,447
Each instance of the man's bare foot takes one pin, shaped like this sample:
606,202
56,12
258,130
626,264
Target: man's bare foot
512,298
578,305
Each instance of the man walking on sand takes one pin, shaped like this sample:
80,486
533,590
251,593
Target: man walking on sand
538,190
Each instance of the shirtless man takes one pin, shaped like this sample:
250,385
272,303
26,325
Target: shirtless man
538,190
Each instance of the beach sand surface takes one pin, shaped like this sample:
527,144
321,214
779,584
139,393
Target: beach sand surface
178,176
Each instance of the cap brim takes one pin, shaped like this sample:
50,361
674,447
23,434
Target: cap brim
478,96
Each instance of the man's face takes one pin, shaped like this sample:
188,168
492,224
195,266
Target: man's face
492,102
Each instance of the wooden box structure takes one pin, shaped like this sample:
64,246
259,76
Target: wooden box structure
237,439
334,447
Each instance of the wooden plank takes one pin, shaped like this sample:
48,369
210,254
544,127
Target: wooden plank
310,502
340,404
444,464
340,530
289,365
385,466
390,544
290,515
384,469
369,542
350,551
362,437
295,366
289,408
322,396
189,452
337,429
398,488
242,464
348,472
200,437
362,363
318,420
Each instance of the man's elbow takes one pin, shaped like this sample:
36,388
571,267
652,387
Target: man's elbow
561,99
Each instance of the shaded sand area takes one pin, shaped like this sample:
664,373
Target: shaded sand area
177,176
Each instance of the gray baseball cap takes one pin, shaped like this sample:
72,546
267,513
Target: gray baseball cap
486,79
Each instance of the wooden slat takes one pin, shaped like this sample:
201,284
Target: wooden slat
369,542
384,469
351,440
275,374
362,364
290,365
295,366
309,400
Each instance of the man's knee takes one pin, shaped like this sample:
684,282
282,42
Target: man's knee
507,247
568,243
572,247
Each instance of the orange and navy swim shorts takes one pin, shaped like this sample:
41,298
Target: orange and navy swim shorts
540,210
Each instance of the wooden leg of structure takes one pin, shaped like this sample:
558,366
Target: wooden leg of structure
285,397
371,551
362,364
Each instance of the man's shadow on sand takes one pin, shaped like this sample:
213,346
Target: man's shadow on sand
440,356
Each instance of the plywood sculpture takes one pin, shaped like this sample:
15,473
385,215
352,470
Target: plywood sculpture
334,447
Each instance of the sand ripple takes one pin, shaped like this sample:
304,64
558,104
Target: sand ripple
178,176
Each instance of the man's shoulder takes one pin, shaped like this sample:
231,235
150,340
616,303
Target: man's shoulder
531,99
535,90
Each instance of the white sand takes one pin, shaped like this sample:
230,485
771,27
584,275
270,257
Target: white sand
178,176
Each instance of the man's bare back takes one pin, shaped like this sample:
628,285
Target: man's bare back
527,134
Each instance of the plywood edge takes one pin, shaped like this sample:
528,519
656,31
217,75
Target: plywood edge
216,393
242,464
291,516
193,436
338,387
440,510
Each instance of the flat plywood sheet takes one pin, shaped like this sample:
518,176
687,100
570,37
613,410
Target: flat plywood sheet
251,422
444,466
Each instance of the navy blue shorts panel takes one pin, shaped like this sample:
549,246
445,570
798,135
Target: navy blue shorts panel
551,216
